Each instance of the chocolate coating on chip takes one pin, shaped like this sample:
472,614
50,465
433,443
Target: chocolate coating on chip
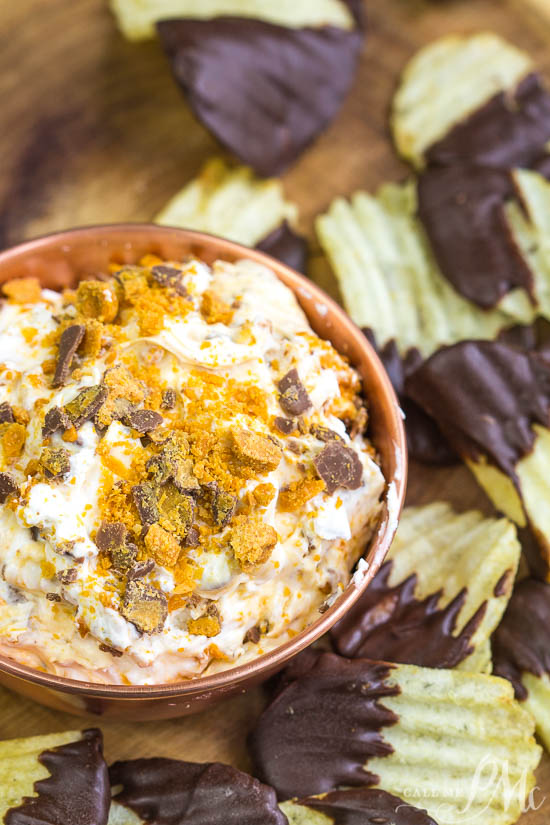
293,396
169,792
70,340
510,130
77,789
521,642
323,727
391,624
462,211
6,413
56,419
86,404
485,397
235,71
55,462
366,806
339,466
145,606
169,277
143,420
8,485
145,499
287,246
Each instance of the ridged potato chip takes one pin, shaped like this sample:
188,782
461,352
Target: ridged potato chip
137,18
35,773
389,280
359,806
231,202
447,81
444,740
464,566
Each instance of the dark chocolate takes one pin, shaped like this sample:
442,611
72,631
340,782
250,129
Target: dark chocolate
110,535
70,340
169,277
8,485
144,605
521,643
390,623
323,727
265,91
485,397
339,466
140,569
77,790
170,792
425,441
367,806
6,413
293,396
67,576
143,420
287,246
510,130
462,211
504,584
56,419
286,426
145,499
324,434
86,404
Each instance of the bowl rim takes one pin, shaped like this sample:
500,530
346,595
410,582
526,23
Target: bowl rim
380,541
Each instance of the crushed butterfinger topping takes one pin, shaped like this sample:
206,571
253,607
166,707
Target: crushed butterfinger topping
23,290
162,546
255,451
97,300
297,494
13,440
214,310
251,540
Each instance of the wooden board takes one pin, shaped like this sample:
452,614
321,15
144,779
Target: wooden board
94,130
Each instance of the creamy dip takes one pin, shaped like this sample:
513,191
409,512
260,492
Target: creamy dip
185,477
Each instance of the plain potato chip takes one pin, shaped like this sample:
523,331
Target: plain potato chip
231,202
443,740
464,566
137,18
447,81
390,282
36,773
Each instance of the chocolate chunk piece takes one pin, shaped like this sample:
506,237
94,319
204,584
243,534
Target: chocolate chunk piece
169,399
322,727
8,485
112,538
55,462
168,792
324,434
391,624
339,466
293,396
462,210
53,597
76,790
485,397
67,576
56,419
143,420
6,413
192,539
70,340
86,404
366,806
521,643
223,507
510,130
169,277
235,71
145,606
286,426
145,499
140,569
111,650
252,635
287,246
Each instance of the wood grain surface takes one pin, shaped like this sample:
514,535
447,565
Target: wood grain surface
94,130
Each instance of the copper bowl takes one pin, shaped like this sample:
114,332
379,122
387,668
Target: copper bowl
61,260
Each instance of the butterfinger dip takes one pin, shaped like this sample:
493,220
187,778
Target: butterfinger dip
185,482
